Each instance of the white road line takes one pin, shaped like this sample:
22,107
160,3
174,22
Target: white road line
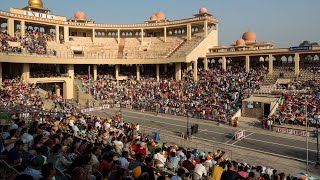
204,130
236,146
255,150
171,118
242,138
280,144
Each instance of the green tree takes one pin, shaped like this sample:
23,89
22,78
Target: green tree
305,43
308,43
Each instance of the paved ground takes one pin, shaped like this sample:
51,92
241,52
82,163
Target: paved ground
258,140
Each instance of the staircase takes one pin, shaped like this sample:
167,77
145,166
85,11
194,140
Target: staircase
82,97
48,103
177,48
121,48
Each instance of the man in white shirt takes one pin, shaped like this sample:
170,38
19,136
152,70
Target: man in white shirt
106,125
97,124
200,168
124,160
159,156
27,139
94,162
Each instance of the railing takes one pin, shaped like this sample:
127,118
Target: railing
87,55
142,25
192,143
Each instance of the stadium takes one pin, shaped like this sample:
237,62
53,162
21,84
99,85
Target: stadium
160,99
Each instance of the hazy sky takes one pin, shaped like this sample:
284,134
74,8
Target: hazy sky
282,22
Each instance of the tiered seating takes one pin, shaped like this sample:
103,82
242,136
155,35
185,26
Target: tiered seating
188,45
152,47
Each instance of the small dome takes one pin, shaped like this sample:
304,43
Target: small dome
35,3
249,36
160,15
153,18
203,10
80,15
240,42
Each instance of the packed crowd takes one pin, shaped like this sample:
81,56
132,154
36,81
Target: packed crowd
293,108
216,96
67,144
14,93
5,38
36,41
33,41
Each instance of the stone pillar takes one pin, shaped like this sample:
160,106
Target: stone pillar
93,35
205,63
57,34
165,34
22,28
270,64
195,70
119,36
95,72
117,71
296,64
25,72
158,72
138,72
58,68
247,63
178,71
142,68
224,63
141,36
58,90
66,34
68,89
10,27
189,31
0,72
165,68
189,66
205,28
71,71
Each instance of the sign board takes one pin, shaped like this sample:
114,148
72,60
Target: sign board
39,15
239,134
300,48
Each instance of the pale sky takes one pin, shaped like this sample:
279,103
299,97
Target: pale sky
284,23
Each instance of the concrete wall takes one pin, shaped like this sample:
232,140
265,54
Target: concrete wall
202,49
252,112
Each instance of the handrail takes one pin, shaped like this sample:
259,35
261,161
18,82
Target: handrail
275,106
81,24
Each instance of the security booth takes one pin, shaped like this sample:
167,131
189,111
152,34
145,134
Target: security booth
259,106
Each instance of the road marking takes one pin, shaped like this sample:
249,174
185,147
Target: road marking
241,147
280,144
242,138
200,130
204,130
213,126
259,151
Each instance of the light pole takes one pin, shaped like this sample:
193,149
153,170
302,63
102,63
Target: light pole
307,134
89,86
187,122
318,155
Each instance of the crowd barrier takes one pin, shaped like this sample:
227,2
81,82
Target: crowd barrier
169,110
297,132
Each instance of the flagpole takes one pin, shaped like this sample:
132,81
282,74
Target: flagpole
307,134
89,86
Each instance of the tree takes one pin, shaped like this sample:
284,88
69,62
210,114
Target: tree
305,43
308,43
